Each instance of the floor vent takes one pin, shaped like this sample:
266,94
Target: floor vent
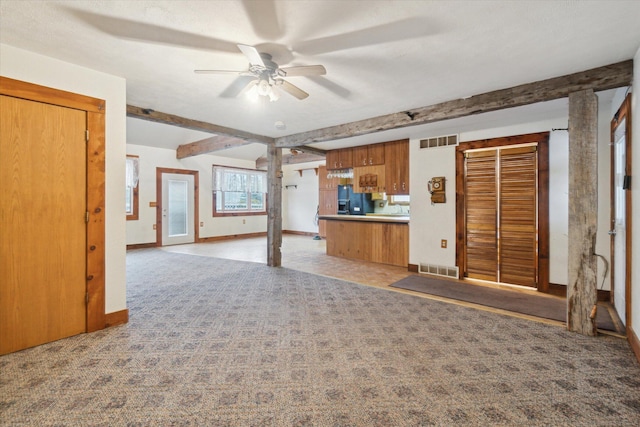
439,141
438,270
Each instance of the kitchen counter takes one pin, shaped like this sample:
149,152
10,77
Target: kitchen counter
398,219
375,238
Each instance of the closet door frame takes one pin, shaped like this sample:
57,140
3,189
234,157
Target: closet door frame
542,138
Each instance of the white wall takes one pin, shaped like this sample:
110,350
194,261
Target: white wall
431,223
300,205
38,69
141,231
635,199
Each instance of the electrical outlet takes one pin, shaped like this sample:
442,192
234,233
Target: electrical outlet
443,243
201,224
154,226
244,221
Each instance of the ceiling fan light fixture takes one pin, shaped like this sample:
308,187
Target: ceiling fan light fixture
264,88
273,94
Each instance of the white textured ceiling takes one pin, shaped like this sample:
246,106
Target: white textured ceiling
381,56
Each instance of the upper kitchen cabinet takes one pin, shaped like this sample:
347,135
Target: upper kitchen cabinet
340,159
326,183
368,155
396,155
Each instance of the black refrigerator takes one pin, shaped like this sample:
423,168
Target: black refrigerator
357,203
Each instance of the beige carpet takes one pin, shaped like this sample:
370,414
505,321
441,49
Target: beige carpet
216,342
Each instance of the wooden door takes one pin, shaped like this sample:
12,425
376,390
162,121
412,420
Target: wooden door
501,218
518,243
481,246
43,260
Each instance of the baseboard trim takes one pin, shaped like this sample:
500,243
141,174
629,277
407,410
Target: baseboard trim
141,246
231,237
116,318
634,341
413,268
299,233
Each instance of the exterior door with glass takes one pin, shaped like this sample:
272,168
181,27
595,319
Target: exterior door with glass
621,211
178,209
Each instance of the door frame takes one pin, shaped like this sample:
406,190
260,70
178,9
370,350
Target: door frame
542,138
196,203
623,112
95,246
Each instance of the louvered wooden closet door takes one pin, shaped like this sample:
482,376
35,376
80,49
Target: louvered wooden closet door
481,248
501,215
518,223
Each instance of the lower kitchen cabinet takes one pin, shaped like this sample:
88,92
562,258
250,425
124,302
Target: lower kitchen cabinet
381,242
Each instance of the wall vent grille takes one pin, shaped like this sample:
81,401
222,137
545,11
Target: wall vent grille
439,141
438,270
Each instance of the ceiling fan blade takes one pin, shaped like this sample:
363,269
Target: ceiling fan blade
291,89
304,70
395,31
142,32
252,54
238,86
264,19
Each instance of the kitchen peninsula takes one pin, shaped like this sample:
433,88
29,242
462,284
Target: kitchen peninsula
375,238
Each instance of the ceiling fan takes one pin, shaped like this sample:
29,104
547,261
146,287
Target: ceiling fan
267,76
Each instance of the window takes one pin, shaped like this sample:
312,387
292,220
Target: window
399,200
239,191
131,189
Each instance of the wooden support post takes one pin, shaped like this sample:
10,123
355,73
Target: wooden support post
274,220
583,212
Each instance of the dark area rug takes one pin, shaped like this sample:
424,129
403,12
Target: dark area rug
544,306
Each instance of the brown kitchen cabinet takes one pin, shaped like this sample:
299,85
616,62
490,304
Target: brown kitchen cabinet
327,198
397,167
368,155
381,242
340,159
369,179
327,183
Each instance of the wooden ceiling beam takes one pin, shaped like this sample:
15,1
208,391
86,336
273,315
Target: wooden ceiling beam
291,159
597,79
208,145
310,150
170,119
